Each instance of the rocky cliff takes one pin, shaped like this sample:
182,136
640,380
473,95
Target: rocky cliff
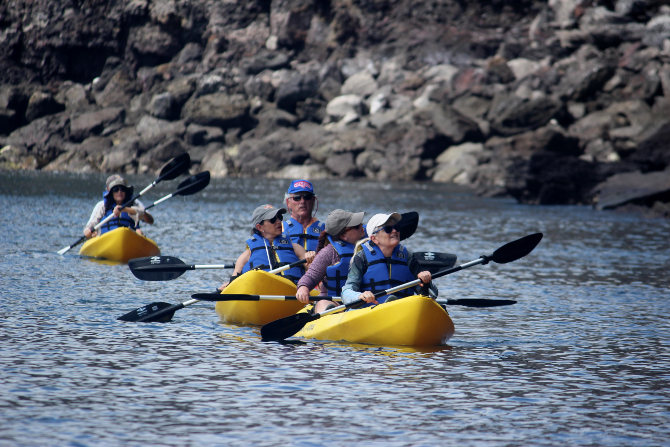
558,102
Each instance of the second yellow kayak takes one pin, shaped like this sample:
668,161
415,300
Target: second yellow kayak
258,282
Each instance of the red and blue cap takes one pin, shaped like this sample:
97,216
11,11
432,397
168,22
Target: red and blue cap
300,186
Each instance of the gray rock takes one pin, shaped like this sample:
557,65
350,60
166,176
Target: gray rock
197,135
93,123
217,109
164,105
297,87
42,103
633,187
153,131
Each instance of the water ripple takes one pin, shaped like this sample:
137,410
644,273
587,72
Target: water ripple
582,359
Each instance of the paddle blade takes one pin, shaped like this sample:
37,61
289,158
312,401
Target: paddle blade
286,327
193,184
434,261
64,250
157,268
175,167
474,302
407,225
146,311
516,249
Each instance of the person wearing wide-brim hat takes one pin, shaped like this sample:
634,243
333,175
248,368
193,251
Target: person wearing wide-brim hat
116,193
331,264
382,263
268,248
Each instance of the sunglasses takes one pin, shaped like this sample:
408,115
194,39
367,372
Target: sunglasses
302,197
355,227
387,229
274,219
117,189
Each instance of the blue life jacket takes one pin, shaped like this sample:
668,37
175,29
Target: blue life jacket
336,274
280,253
383,273
308,239
124,220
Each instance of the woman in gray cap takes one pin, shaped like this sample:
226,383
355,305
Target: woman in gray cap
115,194
331,265
268,248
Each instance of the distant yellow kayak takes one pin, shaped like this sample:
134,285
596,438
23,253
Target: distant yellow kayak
119,245
258,282
413,321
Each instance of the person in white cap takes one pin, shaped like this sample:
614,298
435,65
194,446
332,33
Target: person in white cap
382,263
116,193
268,247
331,265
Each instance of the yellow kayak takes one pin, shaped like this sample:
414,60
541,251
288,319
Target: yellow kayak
119,245
413,321
258,282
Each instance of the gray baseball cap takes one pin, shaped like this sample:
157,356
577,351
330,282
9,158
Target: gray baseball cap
338,220
264,212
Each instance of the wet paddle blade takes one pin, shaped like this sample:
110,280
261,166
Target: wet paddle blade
516,249
193,184
157,268
286,327
175,167
434,261
143,312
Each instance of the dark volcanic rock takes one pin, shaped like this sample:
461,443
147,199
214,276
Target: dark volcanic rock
539,100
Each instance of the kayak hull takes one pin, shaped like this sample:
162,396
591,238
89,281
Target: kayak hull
119,245
257,313
413,321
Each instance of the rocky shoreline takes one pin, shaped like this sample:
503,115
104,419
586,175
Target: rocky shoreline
559,102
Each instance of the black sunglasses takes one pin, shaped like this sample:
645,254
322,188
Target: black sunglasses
117,189
303,197
387,228
274,219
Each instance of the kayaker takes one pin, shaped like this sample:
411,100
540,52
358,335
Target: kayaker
115,194
301,224
268,247
381,262
331,264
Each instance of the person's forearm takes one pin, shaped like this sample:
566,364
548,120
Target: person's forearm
317,270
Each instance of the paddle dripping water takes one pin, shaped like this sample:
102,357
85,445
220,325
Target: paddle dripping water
581,359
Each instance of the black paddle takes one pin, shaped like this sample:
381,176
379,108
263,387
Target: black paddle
190,186
173,169
245,297
468,302
166,268
160,312
286,327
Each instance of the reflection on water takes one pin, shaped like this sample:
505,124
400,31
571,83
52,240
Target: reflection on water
581,359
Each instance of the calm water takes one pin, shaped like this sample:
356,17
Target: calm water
582,359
